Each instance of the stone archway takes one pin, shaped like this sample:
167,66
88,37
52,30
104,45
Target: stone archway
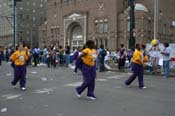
75,35
75,29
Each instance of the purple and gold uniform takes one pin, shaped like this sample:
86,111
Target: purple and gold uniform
27,51
145,59
137,57
1,52
89,72
137,68
89,58
19,58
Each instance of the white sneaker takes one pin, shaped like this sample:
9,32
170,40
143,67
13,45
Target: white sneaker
14,86
78,95
128,86
23,88
144,87
75,72
91,98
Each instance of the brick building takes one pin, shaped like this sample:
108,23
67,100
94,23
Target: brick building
106,22
30,15
6,23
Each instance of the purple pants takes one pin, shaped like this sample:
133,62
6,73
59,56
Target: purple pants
78,65
0,59
19,75
137,71
89,75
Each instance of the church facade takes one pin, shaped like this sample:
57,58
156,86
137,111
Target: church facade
73,22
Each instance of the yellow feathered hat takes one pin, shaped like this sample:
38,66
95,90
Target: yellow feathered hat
154,42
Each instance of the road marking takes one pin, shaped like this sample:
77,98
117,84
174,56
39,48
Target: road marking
102,80
75,84
118,87
44,79
113,77
46,106
9,74
11,96
41,64
44,90
3,110
21,98
33,72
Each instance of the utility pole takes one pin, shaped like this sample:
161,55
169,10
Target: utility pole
156,15
132,24
14,21
31,36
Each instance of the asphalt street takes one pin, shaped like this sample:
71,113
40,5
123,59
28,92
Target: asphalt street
51,92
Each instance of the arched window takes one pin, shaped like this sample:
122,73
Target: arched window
77,37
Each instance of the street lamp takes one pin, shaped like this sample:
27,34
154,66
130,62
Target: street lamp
14,20
132,23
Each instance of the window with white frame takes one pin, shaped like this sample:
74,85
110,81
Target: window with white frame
105,27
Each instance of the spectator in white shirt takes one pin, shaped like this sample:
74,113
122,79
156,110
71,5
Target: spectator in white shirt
166,59
154,53
107,57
